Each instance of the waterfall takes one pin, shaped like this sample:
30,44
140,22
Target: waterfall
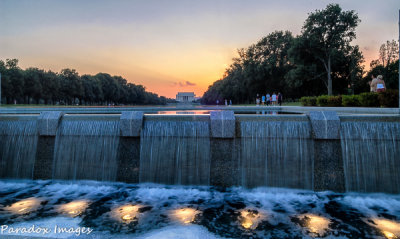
86,150
276,154
18,142
371,156
175,152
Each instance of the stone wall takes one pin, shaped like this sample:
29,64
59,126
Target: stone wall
225,144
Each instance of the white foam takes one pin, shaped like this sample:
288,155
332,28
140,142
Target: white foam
12,185
180,232
367,203
157,194
286,198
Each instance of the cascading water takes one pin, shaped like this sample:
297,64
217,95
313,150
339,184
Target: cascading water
276,154
86,150
175,152
371,156
18,142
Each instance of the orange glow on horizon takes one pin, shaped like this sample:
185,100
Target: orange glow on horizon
169,82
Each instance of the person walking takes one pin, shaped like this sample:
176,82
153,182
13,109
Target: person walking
371,88
274,99
263,99
280,98
268,99
258,100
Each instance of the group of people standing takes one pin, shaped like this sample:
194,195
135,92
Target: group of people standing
377,84
268,99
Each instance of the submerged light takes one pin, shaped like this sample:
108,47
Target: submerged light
249,219
185,215
24,206
126,213
389,228
74,208
316,224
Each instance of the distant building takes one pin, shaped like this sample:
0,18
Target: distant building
185,97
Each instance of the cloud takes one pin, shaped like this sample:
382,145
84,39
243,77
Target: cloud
183,84
188,83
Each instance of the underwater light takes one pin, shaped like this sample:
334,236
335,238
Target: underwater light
185,215
249,219
24,206
389,234
74,208
389,228
316,224
125,213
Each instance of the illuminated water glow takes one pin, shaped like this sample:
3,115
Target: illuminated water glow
316,224
249,219
391,229
126,213
185,215
74,208
24,206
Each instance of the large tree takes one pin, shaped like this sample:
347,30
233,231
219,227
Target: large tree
33,86
258,69
327,32
68,87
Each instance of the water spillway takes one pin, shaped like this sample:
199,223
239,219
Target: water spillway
320,151
371,155
86,149
276,154
18,142
175,152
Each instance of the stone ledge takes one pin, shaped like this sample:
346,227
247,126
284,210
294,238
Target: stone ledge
222,124
325,124
48,122
131,123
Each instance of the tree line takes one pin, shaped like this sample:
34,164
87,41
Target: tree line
320,60
67,87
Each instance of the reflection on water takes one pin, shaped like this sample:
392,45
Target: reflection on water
207,112
190,112
249,219
24,206
74,208
126,213
391,229
184,215
317,225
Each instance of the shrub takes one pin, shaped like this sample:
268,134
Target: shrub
332,101
335,101
308,101
322,100
389,98
369,99
351,100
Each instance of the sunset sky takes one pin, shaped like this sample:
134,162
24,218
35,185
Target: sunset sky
165,45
